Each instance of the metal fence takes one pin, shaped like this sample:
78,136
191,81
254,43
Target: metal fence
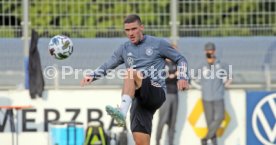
103,18
227,17
85,18
10,18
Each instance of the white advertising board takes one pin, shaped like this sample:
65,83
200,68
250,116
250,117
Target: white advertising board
88,105
191,124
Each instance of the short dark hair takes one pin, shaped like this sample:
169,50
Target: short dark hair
132,18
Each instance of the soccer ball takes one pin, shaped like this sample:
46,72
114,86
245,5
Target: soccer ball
61,47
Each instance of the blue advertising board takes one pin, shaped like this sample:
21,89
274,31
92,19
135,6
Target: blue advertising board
261,118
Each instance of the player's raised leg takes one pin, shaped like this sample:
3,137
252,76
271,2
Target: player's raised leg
140,138
132,80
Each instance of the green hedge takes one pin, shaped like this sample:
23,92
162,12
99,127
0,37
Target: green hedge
103,18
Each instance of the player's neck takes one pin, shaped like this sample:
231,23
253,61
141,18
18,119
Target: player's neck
142,38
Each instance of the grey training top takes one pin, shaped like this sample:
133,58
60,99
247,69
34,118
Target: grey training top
148,56
212,80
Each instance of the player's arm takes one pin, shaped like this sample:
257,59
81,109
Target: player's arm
195,77
168,51
115,60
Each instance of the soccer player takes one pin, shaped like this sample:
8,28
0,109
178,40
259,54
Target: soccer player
213,91
144,85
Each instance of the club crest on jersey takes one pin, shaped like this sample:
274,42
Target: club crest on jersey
149,51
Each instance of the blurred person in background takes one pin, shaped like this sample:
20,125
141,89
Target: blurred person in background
213,88
168,111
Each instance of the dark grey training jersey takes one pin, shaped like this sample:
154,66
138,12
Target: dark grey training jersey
148,56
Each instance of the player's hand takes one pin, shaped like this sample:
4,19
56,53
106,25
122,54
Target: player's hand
86,80
182,85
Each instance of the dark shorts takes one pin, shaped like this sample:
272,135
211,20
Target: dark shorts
148,98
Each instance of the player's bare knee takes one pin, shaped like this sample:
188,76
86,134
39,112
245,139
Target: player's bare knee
130,73
134,74
138,75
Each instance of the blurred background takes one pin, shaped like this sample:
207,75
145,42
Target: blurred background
242,30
